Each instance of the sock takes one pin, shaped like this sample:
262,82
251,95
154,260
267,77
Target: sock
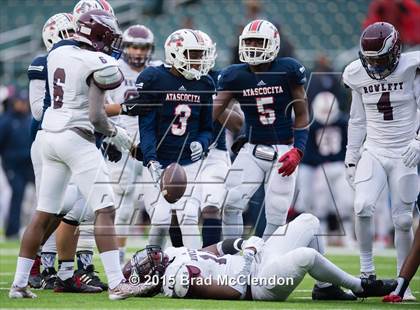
191,234
122,255
48,259
157,235
403,242
23,268
317,243
364,235
211,231
401,287
176,236
50,246
84,259
233,223
325,271
65,269
111,263
269,230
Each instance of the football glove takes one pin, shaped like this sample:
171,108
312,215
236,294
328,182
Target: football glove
196,150
290,160
253,243
350,173
155,169
110,151
121,139
411,155
133,107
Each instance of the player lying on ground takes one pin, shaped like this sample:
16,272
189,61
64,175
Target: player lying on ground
265,271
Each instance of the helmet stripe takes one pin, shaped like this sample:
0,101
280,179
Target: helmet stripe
198,37
104,4
255,26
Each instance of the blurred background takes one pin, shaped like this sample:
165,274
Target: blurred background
323,35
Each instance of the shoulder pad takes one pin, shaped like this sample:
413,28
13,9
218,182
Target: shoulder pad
413,58
350,73
37,70
108,78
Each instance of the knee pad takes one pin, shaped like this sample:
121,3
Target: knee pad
305,257
403,221
309,221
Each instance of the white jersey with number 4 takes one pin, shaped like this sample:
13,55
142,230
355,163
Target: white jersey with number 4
389,104
69,69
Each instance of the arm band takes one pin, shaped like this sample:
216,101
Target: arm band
300,137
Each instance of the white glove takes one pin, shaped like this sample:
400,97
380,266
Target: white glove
121,139
255,243
155,169
411,155
196,150
350,173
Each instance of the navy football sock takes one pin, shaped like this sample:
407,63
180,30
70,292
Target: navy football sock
176,236
84,259
211,232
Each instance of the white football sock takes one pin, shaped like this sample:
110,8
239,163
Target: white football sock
317,243
65,269
111,262
122,255
325,271
191,236
403,242
23,269
364,235
50,245
269,230
233,223
158,234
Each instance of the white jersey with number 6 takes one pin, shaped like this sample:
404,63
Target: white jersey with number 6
388,107
69,69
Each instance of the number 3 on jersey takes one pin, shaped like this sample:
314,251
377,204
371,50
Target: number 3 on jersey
267,114
182,113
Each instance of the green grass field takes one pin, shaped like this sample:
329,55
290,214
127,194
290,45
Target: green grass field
300,299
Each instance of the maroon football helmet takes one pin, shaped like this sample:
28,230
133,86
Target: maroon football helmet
380,49
146,264
99,29
138,36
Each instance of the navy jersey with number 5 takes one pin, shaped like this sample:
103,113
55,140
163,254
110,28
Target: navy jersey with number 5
265,98
182,113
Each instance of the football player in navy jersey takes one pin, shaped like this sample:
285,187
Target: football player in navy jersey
322,171
177,127
268,89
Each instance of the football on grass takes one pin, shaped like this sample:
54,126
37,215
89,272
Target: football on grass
173,183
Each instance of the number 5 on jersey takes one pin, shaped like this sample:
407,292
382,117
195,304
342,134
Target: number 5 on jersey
182,113
267,114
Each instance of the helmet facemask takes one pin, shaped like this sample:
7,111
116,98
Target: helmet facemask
192,63
135,60
379,67
263,52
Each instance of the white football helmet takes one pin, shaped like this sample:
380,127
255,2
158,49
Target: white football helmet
57,27
325,108
211,54
179,47
84,6
259,29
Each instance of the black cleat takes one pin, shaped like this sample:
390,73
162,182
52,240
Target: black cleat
332,292
376,288
49,275
34,280
74,285
90,277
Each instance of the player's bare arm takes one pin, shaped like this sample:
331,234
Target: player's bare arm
97,112
300,106
227,112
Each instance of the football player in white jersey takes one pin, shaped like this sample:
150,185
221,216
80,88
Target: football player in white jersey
264,271
138,46
383,146
78,94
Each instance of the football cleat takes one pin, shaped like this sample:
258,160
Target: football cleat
332,292
90,277
74,285
21,292
34,280
368,275
408,296
376,288
122,291
49,275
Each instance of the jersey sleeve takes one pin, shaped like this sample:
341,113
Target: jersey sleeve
95,61
225,80
356,132
296,72
37,70
350,75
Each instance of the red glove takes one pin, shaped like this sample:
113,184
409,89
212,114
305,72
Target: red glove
290,160
392,298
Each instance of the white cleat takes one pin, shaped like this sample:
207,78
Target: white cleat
21,292
122,291
408,296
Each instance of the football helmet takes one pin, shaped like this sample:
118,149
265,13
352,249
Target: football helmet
325,108
84,6
186,50
140,36
57,27
211,53
99,29
270,46
380,49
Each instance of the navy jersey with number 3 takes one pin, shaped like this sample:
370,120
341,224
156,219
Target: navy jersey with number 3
265,98
182,114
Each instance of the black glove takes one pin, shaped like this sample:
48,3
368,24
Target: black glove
238,144
133,107
111,151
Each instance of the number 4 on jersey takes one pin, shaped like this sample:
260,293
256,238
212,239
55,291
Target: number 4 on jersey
384,107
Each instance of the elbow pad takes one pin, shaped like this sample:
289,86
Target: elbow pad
108,78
